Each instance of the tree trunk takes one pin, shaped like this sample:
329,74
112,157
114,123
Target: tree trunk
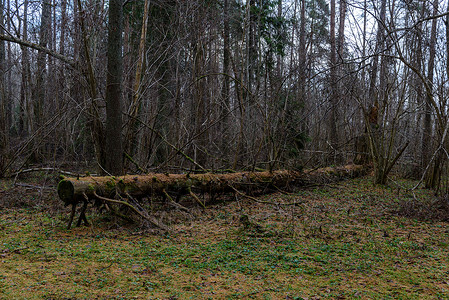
379,47
3,103
372,119
302,52
251,46
341,30
333,97
226,103
114,147
62,42
200,97
199,103
95,123
44,36
25,120
420,90
10,118
137,89
433,177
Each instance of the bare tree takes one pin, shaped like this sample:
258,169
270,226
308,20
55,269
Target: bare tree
334,93
3,102
434,176
26,112
40,87
225,104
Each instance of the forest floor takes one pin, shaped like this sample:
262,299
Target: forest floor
348,240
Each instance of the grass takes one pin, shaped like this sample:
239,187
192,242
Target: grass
345,241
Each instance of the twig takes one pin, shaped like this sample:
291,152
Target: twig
20,249
128,157
144,216
33,186
42,169
173,203
107,267
260,201
178,150
281,191
196,198
101,167
119,202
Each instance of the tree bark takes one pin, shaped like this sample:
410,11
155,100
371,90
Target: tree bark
114,147
433,177
341,30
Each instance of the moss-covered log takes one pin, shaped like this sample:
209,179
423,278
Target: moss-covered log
75,190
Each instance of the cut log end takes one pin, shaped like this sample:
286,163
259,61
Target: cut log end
66,191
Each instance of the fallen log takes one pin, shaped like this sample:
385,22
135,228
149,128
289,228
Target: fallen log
126,189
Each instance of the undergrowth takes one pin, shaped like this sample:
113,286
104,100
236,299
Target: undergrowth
350,240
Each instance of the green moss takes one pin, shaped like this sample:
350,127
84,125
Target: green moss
110,186
110,183
90,187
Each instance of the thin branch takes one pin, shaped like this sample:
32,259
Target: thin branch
196,198
173,203
144,216
37,47
261,201
44,169
178,150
